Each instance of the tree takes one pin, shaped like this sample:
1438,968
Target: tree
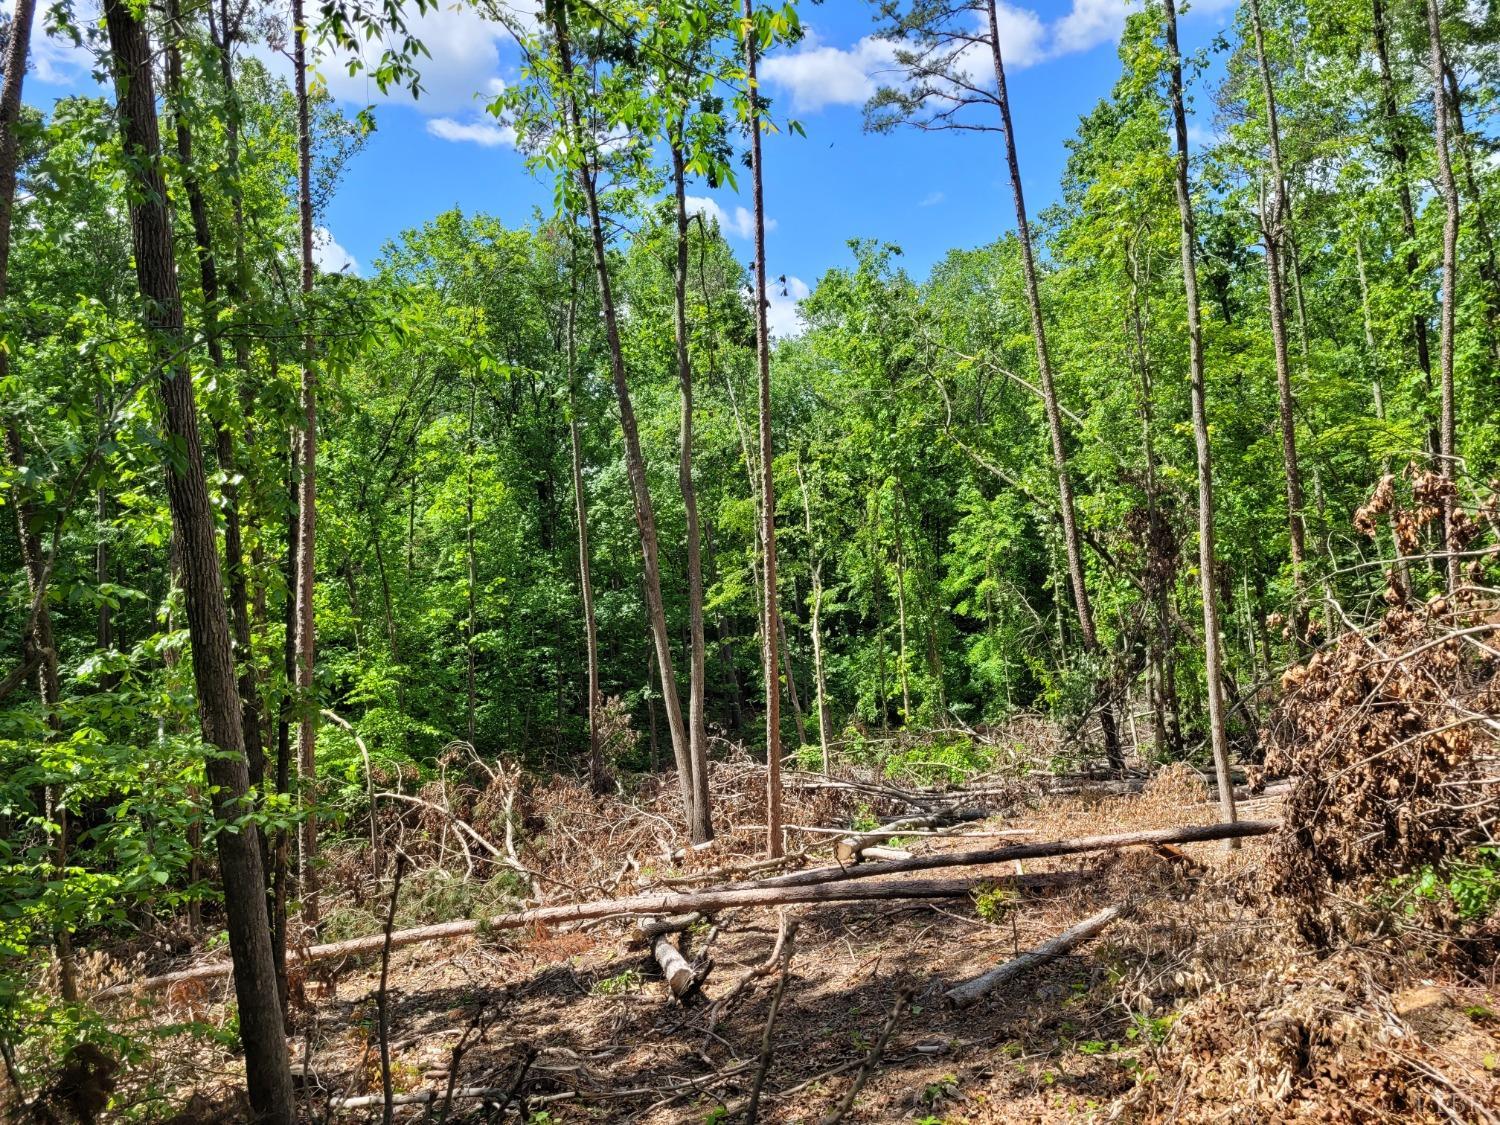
1208,582
267,1069
1447,322
772,612
307,495
940,88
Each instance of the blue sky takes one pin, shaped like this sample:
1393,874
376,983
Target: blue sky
925,192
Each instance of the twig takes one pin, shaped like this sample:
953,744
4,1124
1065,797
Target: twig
766,1039
514,1092
871,1060
382,1001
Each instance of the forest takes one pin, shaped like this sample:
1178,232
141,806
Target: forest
512,679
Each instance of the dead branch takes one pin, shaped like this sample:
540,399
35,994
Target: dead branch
784,943
967,993
674,967
850,848
872,1060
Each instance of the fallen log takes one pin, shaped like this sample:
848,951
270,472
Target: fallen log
674,967
850,848
962,995
709,901
1040,850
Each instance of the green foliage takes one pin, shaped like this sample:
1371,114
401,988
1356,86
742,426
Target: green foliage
1470,885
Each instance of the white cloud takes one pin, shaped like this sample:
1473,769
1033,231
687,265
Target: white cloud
1090,23
56,61
932,199
489,134
464,66
782,316
818,76
330,256
740,222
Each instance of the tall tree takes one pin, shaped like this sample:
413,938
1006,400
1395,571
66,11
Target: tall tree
1213,660
771,614
1448,311
1275,217
584,155
267,1068
933,42
307,496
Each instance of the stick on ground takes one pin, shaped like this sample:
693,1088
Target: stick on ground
967,993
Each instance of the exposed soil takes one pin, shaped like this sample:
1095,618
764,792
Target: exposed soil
1197,1006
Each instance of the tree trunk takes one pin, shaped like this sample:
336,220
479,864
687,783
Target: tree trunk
1206,563
820,684
702,826
635,461
281,871
1274,222
1072,542
774,843
598,770
473,565
1412,259
792,697
307,501
208,275
268,1074
1448,189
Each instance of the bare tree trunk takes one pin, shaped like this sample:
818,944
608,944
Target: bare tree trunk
598,771
774,843
635,461
1448,188
268,1074
1274,223
473,564
702,826
281,872
798,723
1412,259
1066,508
902,658
1213,661
820,684
307,501
1489,267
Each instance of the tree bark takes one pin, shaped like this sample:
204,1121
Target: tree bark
774,843
307,500
1213,662
1274,223
702,826
1072,542
1447,328
266,1065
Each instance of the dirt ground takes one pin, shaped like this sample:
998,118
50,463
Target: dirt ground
580,1024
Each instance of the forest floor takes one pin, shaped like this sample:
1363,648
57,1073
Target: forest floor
1198,1005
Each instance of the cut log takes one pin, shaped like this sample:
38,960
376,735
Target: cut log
674,967
962,995
881,852
723,898
851,847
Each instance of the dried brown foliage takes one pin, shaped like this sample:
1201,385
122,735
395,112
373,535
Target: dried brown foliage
1390,730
